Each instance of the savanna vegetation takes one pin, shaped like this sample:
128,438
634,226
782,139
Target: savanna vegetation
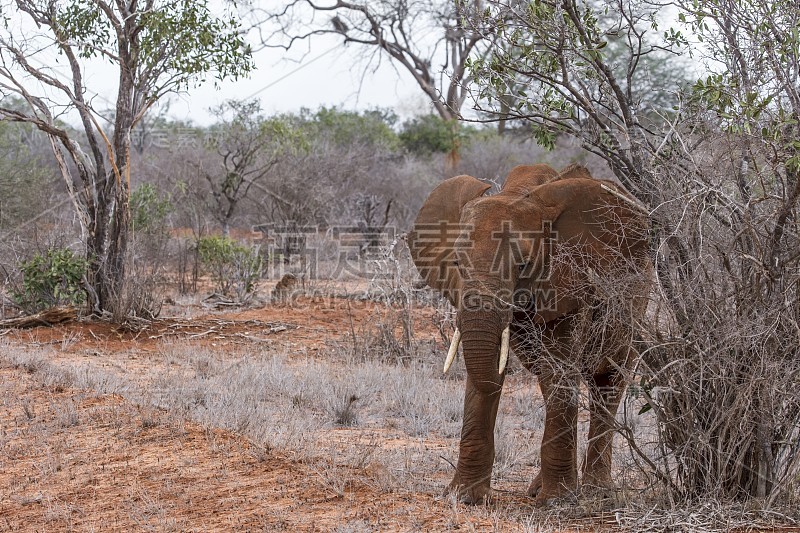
119,211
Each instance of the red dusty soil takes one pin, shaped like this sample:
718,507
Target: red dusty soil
74,460
308,324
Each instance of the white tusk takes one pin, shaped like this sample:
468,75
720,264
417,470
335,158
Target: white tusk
451,353
504,338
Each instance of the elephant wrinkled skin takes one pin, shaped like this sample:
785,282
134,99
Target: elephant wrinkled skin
531,259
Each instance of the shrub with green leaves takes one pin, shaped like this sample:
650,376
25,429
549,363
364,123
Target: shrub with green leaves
149,209
234,268
429,134
50,279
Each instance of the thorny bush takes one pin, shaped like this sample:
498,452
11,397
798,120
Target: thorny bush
716,164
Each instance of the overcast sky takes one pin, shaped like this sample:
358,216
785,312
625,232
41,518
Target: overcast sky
329,74
313,74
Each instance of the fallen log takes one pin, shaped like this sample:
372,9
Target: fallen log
48,317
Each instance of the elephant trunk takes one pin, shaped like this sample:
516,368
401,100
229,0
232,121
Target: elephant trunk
483,333
482,320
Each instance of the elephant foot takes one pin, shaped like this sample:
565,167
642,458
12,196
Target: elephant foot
597,483
535,486
547,495
470,494
548,499
598,489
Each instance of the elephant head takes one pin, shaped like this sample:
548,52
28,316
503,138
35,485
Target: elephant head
492,257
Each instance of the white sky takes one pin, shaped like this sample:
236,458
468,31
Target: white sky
314,73
329,74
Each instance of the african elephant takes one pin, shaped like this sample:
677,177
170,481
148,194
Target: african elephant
523,268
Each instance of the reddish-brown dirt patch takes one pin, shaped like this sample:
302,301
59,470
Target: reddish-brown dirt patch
73,460
310,324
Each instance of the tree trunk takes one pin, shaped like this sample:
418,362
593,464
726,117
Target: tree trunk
453,157
107,246
505,107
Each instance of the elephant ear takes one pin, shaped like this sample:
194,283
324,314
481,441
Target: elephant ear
594,231
436,228
525,178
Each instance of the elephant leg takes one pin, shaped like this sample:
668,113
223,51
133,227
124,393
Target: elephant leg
605,393
476,454
558,476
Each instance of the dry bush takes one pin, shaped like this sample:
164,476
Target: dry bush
141,298
491,157
722,369
389,335
719,366
714,414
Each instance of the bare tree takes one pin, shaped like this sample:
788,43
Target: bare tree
427,39
247,146
555,69
156,47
